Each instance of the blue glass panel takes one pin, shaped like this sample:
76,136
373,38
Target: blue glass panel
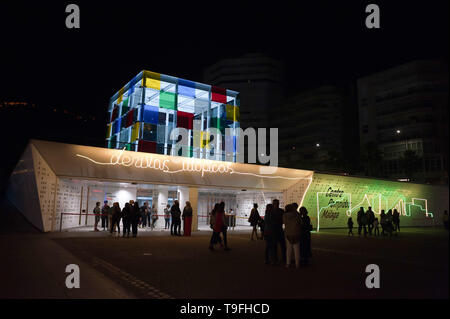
116,125
186,88
150,114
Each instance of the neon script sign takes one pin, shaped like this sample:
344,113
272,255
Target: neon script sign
177,166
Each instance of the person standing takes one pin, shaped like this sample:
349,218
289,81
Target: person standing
370,219
105,215
167,217
232,215
134,218
305,238
277,229
97,212
268,236
144,214
292,229
362,220
115,218
176,220
376,229
383,222
219,226
396,220
187,219
254,220
350,226
154,216
126,213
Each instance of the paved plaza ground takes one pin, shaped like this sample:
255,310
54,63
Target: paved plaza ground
414,264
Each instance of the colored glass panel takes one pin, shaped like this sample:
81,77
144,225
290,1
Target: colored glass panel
119,99
150,114
152,80
130,117
218,94
237,114
115,113
123,122
135,131
185,120
146,146
149,132
116,126
186,88
230,112
108,130
167,100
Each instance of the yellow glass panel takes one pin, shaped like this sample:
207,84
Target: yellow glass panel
230,112
204,139
135,131
152,80
119,99
237,114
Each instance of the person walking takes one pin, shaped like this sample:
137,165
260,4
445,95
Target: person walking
254,220
292,229
176,220
219,226
187,219
305,238
126,213
350,226
232,218
97,212
105,215
277,230
154,216
396,220
215,238
115,221
370,219
269,256
167,217
134,218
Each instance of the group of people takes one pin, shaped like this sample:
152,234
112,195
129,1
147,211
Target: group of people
133,217
369,224
289,228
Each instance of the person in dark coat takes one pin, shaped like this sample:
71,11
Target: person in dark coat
361,220
254,220
134,218
370,219
126,219
305,238
116,218
396,220
277,230
187,219
176,219
269,256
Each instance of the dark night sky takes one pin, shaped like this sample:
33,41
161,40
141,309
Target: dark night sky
45,63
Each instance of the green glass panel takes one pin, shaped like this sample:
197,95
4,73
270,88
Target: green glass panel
167,100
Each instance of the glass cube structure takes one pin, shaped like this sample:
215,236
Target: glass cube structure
143,114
